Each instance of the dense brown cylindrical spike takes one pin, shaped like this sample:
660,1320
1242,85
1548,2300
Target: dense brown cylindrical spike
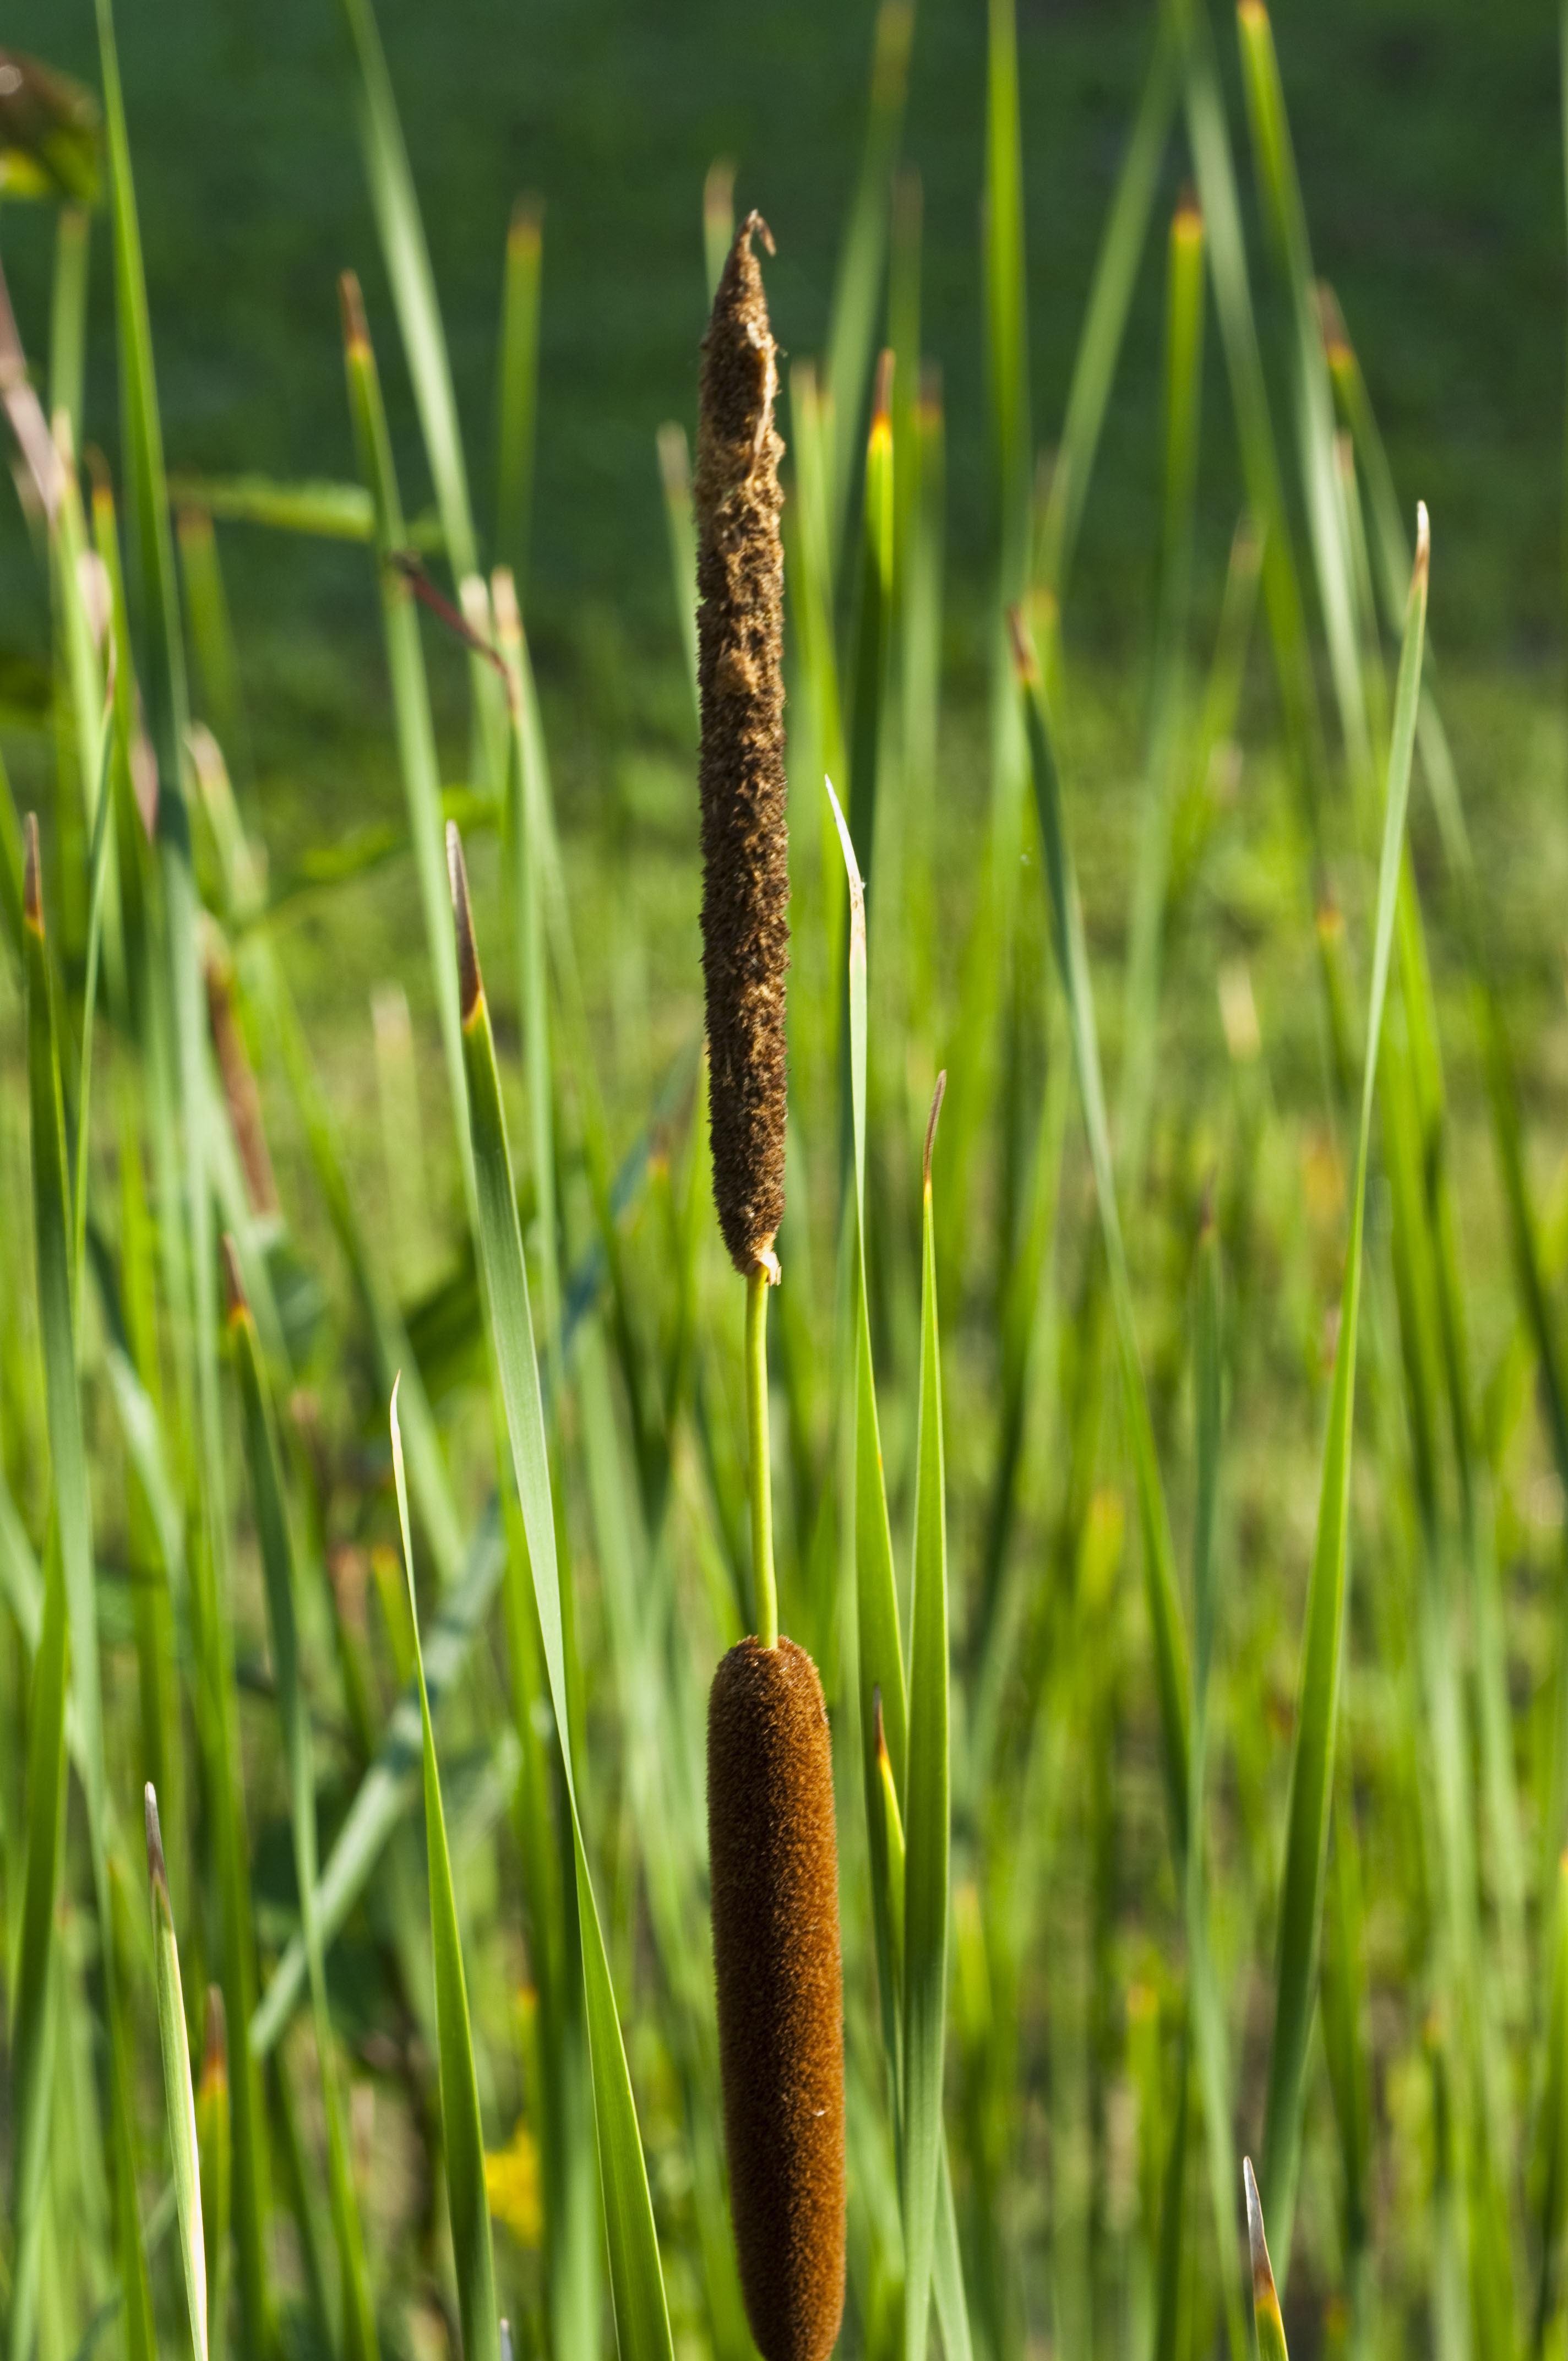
745,926
775,1863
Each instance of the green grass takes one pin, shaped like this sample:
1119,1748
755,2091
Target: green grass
1192,1609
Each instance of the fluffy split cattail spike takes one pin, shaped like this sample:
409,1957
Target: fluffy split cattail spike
745,926
774,1865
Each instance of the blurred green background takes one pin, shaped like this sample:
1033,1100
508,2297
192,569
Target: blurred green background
1427,132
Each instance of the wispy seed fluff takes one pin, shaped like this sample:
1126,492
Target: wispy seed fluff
745,926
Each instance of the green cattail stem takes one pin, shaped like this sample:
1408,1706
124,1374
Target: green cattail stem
757,1284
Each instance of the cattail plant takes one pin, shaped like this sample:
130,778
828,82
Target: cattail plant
772,1846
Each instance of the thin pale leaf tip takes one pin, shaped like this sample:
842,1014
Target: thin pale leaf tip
1331,321
504,607
1252,16
675,461
879,1733
506,2339
526,227
1187,222
215,2047
32,877
718,189
851,870
156,1868
936,1097
470,986
882,406
1263,2291
1424,543
235,1304
1026,663
355,329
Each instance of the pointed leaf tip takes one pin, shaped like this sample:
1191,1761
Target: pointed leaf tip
215,2046
235,1304
882,406
1423,540
880,1734
1263,2289
470,983
156,1868
936,1098
1026,663
355,329
32,876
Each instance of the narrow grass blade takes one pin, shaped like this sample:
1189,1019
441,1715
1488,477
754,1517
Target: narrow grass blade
926,1793
1167,701
381,1800
407,259
411,692
1006,294
517,393
1312,1777
1265,2301
1552,2128
675,474
56,1280
213,2146
873,631
321,510
68,315
1211,2042
1154,1518
1210,143
717,219
528,828
179,2097
280,1578
882,1702
34,2006
463,2143
643,2325
851,332
211,636
1110,299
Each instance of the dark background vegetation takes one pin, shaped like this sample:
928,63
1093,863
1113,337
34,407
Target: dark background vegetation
1427,132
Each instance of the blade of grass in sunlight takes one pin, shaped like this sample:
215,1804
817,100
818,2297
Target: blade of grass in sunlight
1270,2328
413,285
675,474
516,389
926,1816
464,2144
34,2011
279,1574
1312,1776
643,2325
179,2096
1105,325
852,332
1072,959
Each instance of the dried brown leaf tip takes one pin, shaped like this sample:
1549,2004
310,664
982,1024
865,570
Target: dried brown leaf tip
32,876
355,329
745,924
470,984
235,1304
216,2048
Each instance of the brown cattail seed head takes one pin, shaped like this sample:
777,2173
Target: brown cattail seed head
745,857
775,1863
